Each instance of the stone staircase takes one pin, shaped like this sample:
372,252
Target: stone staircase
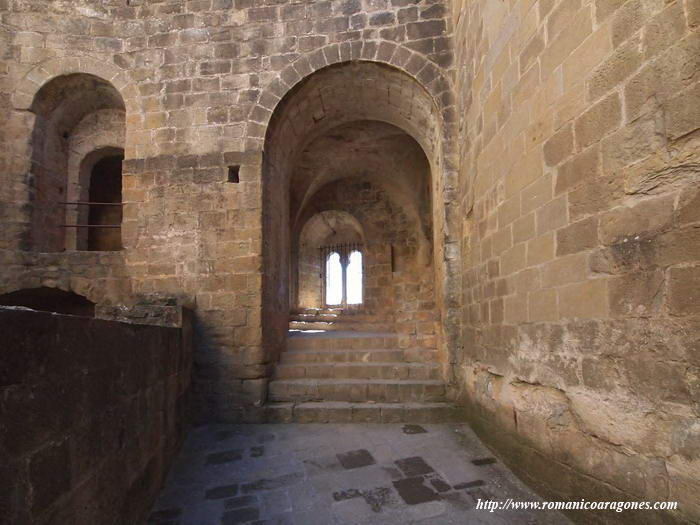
355,376
336,319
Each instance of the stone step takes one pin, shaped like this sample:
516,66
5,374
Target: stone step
334,316
344,412
357,390
362,370
314,316
315,311
344,326
368,355
341,340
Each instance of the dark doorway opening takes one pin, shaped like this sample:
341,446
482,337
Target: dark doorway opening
106,189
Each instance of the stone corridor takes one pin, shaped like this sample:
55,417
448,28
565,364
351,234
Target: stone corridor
339,473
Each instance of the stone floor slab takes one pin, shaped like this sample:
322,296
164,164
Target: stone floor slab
338,474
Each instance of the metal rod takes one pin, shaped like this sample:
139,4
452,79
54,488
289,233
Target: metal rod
91,225
95,203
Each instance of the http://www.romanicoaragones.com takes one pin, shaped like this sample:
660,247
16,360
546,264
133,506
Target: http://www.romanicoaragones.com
617,506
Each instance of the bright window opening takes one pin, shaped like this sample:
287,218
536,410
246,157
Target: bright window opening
354,278
343,275
334,280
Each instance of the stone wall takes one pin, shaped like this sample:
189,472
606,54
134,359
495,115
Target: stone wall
564,249
99,276
93,412
579,174
199,81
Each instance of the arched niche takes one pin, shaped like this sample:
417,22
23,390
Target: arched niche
60,107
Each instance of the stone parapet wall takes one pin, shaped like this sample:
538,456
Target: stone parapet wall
579,176
93,412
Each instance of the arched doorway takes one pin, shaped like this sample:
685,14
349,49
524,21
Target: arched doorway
360,138
104,213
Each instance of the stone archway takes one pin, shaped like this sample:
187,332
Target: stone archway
327,104
60,107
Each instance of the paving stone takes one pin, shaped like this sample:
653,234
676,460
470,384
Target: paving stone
413,429
414,466
469,484
224,491
226,456
272,483
223,435
483,461
356,459
276,502
413,491
240,501
379,497
440,485
242,515
346,494
278,519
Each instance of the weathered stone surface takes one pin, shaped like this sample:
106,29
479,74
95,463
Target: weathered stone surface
684,291
598,121
72,422
554,211
624,88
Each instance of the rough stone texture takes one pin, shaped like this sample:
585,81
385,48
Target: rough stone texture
340,474
555,226
93,412
190,88
579,163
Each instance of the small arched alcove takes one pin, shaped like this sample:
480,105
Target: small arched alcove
66,108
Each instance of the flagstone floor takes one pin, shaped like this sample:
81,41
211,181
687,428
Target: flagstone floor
307,474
